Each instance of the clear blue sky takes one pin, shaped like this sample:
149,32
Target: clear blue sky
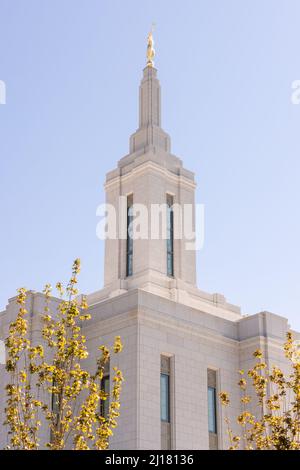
72,71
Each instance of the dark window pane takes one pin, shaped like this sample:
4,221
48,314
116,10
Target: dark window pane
165,397
105,403
129,248
170,236
212,414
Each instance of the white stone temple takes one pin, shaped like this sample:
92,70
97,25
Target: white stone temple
181,345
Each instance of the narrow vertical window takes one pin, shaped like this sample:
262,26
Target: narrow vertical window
55,398
170,236
55,405
212,408
212,422
129,247
165,402
165,397
104,404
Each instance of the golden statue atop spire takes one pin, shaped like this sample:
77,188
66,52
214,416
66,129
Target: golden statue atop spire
150,49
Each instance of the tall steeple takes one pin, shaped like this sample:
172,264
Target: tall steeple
150,134
149,176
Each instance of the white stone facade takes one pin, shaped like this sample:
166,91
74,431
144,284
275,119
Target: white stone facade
157,315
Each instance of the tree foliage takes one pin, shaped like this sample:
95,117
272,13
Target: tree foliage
48,383
275,397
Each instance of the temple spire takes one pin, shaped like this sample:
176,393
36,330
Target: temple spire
149,133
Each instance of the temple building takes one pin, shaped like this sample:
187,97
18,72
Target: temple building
181,345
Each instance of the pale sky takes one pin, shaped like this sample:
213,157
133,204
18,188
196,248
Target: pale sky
72,71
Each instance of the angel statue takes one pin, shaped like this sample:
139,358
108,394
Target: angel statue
150,50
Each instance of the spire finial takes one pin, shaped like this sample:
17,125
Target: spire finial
150,48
